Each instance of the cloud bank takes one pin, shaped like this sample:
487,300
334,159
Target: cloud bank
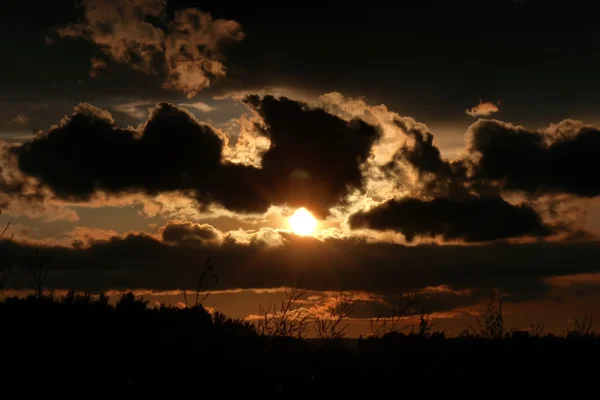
360,164
136,261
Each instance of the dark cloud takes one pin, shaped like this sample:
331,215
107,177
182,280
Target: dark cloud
185,232
315,156
563,160
443,203
428,300
88,152
142,262
313,160
472,219
462,199
423,154
437,176
11,182
560,159
17,193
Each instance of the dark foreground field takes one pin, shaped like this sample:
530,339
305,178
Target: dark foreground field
77,348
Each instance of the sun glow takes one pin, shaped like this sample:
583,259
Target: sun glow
302,222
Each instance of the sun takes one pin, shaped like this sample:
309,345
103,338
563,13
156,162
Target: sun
302,222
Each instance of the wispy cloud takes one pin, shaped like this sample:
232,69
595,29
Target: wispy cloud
483,109
200,106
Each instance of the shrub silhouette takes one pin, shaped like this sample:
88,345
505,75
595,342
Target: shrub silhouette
582,326
128,303
490,323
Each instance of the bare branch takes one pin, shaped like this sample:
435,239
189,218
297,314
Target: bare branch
381,326
330,327
206,273
582,326
39,275
6,266
289,320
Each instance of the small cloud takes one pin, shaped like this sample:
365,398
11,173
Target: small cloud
200,106
483,109
19,119
50,41
135,109
98,67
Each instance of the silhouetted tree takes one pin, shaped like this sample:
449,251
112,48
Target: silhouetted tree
128,303
233,327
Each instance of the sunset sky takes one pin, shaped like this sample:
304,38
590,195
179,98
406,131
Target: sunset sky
447,149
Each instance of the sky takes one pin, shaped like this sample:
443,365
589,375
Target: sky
446,149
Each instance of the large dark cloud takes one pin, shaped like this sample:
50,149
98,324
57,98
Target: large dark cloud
88,152
314,156
565,161
313,160
472,219
172,151
142,262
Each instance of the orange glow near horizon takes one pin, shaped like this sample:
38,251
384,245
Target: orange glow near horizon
302,222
